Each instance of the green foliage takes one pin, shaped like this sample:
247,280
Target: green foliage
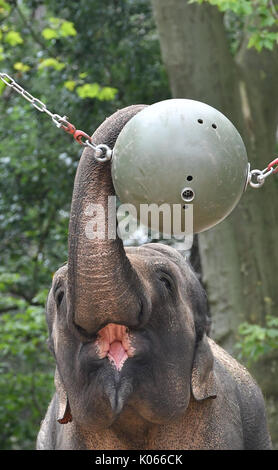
21,67
93,90
51,62
4,8
60,28
26,375
86,60
2,87
70,85
49,33
259,18
13,38
257,341
89,90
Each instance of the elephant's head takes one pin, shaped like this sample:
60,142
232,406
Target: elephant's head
127,328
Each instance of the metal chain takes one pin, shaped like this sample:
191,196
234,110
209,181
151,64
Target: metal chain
261,175
102,152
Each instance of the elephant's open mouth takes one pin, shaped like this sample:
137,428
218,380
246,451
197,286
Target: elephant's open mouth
114,342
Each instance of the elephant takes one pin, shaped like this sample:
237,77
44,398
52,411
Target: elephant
129,331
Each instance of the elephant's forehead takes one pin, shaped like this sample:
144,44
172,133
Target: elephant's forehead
158,254
156,249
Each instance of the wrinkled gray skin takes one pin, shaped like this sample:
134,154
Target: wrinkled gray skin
179,390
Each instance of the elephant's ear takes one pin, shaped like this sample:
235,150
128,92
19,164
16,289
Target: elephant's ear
203,379
64,413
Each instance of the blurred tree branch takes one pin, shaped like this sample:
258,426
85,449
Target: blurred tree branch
28,25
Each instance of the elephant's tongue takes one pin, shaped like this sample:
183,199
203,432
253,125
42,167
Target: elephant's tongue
117,354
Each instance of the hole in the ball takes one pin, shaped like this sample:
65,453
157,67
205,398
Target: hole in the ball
189,178
200,121
214,126
187,194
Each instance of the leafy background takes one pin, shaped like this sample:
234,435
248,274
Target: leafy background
86,60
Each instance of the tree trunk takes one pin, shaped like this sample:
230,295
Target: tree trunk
239,257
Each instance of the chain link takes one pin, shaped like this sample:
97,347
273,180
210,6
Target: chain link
102,152
260,175
39,105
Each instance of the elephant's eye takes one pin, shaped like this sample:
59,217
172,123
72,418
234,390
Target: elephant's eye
166,281
59,295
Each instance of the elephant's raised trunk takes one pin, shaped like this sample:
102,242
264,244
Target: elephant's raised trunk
102,286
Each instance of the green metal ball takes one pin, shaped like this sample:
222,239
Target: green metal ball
181,151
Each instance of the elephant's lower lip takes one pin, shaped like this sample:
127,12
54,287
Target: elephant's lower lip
114,342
